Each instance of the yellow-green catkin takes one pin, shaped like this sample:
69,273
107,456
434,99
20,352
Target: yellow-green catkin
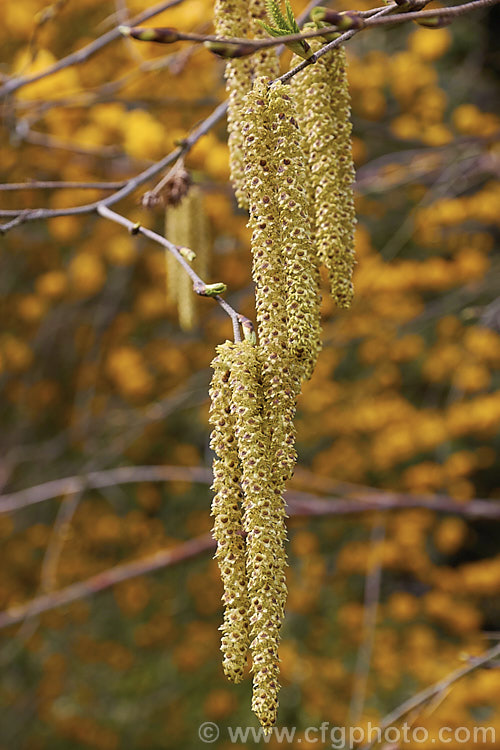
226,509
268,264
322,96
264,524
186,226
303,298
280,377
179,284
231,19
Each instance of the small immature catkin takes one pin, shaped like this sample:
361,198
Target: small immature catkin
186,226
264,524
228,529
322,96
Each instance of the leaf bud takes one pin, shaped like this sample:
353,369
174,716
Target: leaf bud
227,50
163,35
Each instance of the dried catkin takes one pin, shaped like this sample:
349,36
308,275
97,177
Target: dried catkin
302,273
231,19
226,509
322,96
264,524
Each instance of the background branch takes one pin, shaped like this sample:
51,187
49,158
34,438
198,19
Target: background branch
360,500
86,52
439,687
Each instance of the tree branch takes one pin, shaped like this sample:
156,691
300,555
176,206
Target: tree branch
199,286
34,214
86,52
439,687
106,579
360,500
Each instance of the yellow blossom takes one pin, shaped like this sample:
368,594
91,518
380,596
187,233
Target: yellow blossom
430,44
52,284
87,274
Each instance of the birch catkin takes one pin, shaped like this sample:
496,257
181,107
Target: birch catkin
322,96
231,18
226,509
186,226
296,174
302,272
268,263
264,524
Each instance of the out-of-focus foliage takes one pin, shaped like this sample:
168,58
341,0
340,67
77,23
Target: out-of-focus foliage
96,373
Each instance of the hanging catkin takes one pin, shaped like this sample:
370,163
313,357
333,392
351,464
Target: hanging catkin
280,378
231,18
322,96
179,285
302,273
264,524
186,226
226,509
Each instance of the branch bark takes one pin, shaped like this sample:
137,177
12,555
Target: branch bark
360,499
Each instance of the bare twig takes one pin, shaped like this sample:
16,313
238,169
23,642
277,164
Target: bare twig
35,214
106,579
365,20
61,184
373,581
198,284
86,52
360,500
426,695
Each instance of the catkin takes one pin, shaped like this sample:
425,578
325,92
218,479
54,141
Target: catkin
265,62
186,226
322,96
268,264
227,512
302,273
264,524
231,19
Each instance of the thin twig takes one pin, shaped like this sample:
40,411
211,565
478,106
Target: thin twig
367,20
35,214
425,695
61,184
373,582
86,52
106,579
360,500
198,284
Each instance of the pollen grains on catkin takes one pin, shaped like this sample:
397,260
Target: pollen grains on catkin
231,19
227,511
268,267
264,524
302,282
280,373
323,102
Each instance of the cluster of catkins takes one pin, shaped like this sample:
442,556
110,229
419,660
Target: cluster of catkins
292,168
